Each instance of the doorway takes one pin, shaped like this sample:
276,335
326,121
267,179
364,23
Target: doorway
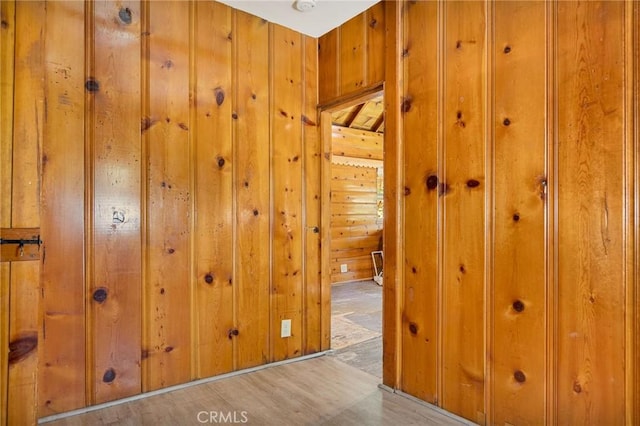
353,135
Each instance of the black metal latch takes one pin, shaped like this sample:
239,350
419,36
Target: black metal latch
21,243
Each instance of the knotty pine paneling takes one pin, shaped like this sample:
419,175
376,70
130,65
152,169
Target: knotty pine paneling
421,202
531,110
168,306
62,368
287,81
312,169
519,213
351,57
173,138
115,280
592,225
213,148
252,180
462,187
22,129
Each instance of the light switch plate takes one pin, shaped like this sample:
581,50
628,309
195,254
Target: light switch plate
343,268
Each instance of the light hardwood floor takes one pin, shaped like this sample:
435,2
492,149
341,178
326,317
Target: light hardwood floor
318,391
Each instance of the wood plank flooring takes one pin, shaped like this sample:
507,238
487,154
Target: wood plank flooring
318,391
356,325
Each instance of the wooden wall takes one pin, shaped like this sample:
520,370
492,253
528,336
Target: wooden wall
356,230
22,107
351,57
172,161
511,161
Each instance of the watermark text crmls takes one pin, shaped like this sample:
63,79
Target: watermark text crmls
223,417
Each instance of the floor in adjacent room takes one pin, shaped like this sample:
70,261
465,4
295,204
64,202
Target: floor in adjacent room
356,325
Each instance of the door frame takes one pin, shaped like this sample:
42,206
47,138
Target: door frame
324,112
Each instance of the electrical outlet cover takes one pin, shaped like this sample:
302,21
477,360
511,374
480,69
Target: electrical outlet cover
285,328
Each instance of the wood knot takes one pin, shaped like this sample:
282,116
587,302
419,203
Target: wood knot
518,306
100,295
519,376
234,116
406,105
256,212
219,95
472,183
233,332
109,376
208,278
507,49
413,328
220,162
20,348
168,349
516,217
432,182
576,387
373,23
125,15
307,121
407,190
506,122
171,250
92,85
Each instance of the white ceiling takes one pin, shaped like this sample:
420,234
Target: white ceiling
325,16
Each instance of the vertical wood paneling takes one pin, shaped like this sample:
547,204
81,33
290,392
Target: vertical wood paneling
138,193
328,63
462,186
23,323
252,189
61,367
376,32
420,119
630,210
286,131
352,56
115,287
28,122
167,350
591,291
5,278
28,105
213,203
7,42
392,349
312,194
634,397
518,294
